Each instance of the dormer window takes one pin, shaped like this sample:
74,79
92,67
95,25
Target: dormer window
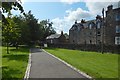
98,25
90,26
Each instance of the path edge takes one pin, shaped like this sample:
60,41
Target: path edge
69,65
27,73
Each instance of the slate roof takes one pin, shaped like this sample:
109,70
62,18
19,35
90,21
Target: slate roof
82,25
53,36
75,26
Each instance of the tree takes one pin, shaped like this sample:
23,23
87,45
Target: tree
47,29
10,33
8,6
33,27
23,28
30,30
26,29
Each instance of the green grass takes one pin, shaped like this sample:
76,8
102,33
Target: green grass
14,64
94,64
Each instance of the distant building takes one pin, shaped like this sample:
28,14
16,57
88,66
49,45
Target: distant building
56,38
94,32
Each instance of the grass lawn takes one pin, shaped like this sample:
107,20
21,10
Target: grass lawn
94,64
14,64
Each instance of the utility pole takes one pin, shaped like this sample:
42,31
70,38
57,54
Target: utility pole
102,48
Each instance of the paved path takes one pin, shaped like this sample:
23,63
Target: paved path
44,65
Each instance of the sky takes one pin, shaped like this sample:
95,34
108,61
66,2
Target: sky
63,13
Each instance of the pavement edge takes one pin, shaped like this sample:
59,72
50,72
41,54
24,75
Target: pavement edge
84,74
27,73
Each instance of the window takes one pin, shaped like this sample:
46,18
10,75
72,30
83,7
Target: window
98,25
117,40
73,41
117,17
51,41
90,41
98,33
118,29
90,33
90,26
99,42
78,28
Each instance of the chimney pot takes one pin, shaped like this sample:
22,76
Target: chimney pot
110,7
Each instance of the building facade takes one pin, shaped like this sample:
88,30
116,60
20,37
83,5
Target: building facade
112,27
98,31
88,32
56,38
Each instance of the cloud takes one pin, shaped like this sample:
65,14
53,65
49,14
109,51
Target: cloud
77,14
75,1
57,24
66,22
94,9
70,1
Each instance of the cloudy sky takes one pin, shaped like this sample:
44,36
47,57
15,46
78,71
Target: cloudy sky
63,13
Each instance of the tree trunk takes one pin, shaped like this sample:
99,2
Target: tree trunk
7,48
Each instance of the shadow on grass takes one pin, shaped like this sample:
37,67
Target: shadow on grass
19,57
9,74
19,50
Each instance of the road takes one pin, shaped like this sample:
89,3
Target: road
44,65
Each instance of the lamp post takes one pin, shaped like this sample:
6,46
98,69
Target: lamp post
102,49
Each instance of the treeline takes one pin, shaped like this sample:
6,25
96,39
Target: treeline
25,30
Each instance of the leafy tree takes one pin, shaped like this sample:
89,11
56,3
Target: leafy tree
20,21
26,30
47,29
31,30
8,6
10,33
33,27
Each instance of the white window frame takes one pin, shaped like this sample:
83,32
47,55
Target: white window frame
117,40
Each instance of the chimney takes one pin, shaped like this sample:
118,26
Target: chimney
110,7
75,21
61,32
98,17
83,21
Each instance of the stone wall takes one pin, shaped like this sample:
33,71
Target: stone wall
90,47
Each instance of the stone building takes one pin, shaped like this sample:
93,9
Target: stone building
88,32
94,32
56,38
112,27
